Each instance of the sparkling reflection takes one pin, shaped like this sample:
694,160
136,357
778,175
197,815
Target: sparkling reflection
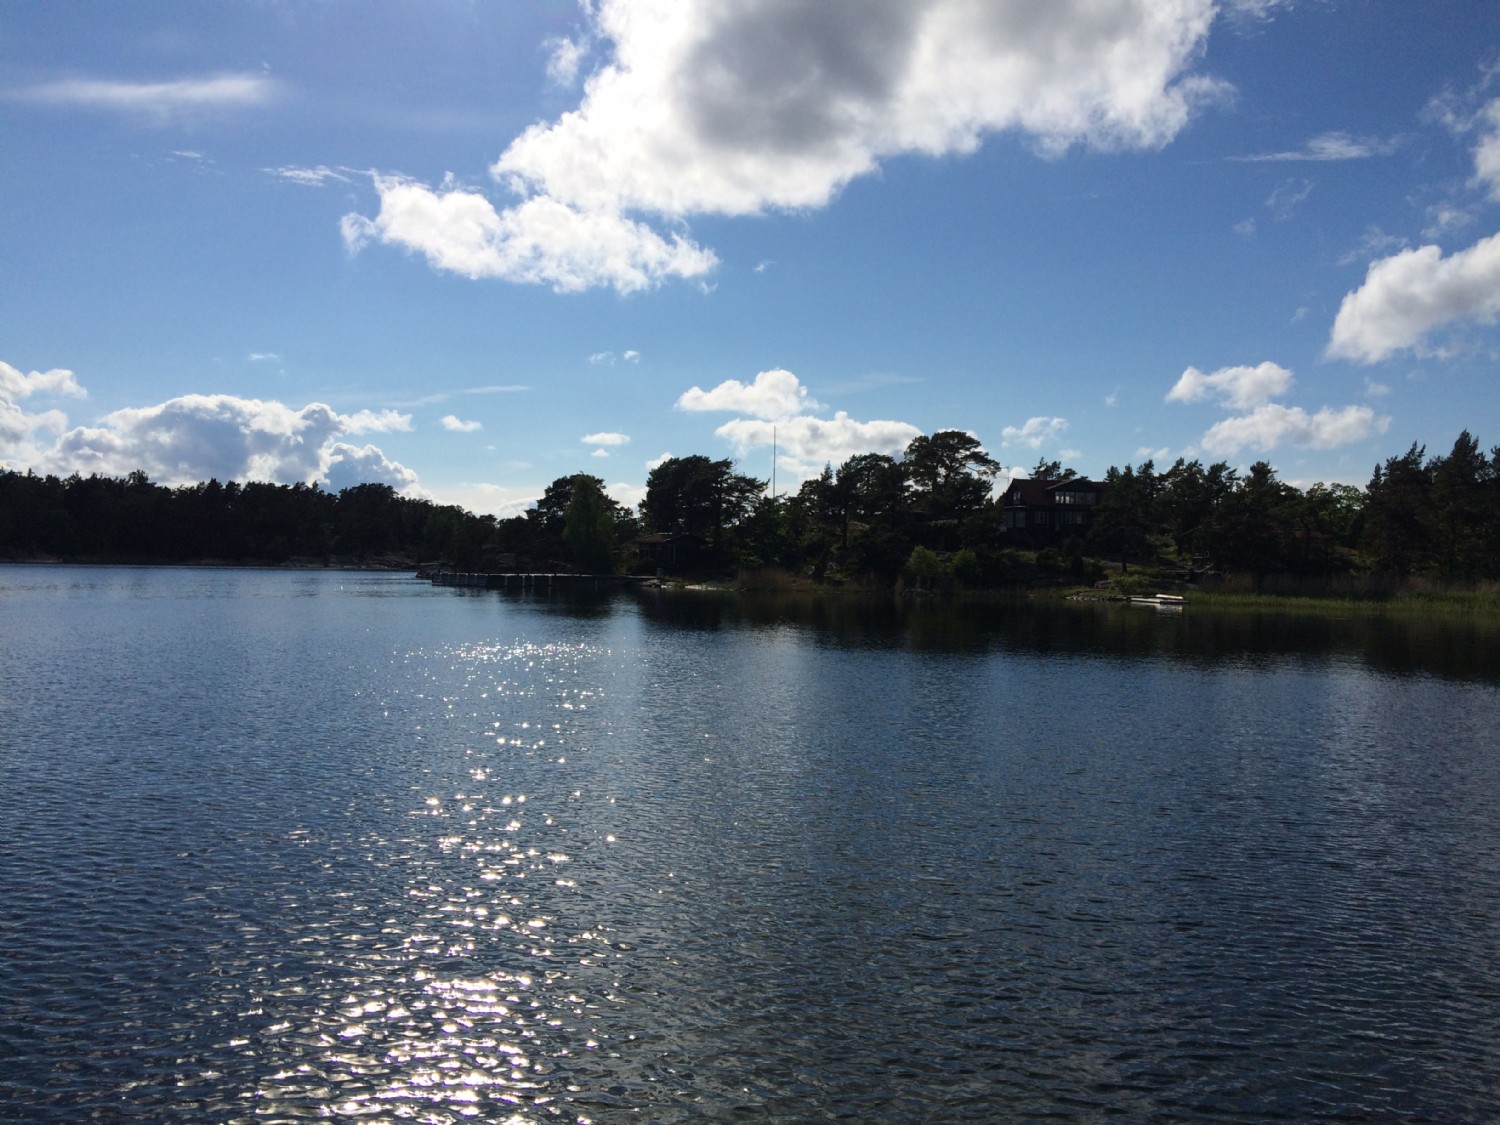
739,872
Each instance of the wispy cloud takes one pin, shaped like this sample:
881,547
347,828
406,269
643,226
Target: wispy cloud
445,396
455,424
310,177
1374,243
606,438
157,101
609,359
1327,147
1287,197
874,381
1034,433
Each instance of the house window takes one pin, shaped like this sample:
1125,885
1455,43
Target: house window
1072,517
1073,497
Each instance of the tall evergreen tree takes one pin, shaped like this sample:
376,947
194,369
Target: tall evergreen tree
589,526
1400,529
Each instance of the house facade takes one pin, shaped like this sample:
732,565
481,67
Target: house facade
668,550
1043,510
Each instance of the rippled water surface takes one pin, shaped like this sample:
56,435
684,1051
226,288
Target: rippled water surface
278,846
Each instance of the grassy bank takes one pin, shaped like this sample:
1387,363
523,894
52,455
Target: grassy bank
1477,602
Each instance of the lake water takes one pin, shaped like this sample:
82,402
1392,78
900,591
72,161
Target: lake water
288,845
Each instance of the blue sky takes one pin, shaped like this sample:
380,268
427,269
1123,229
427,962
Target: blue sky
466,248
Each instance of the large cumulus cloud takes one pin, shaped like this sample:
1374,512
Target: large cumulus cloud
195,437
737,107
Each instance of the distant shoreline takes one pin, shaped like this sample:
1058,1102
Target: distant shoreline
377,564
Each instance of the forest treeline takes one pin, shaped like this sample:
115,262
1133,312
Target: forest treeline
928,514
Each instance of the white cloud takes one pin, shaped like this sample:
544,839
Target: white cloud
1409,295
1255,9
308,177
540,240
1269,424
702,107
443,396
1372,244
600,453
1273,425
195,437
457,425
608,359
778,402
1287,196
1330,146
1487,151
15,385
564,56
370,421
158,101
20,429
774,394
655,461
487,499
1445,218
1238,388
805,444
627,496
734,108
871,381
1034,433
347,466
605,438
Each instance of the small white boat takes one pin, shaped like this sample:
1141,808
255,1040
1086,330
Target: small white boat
1160,601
